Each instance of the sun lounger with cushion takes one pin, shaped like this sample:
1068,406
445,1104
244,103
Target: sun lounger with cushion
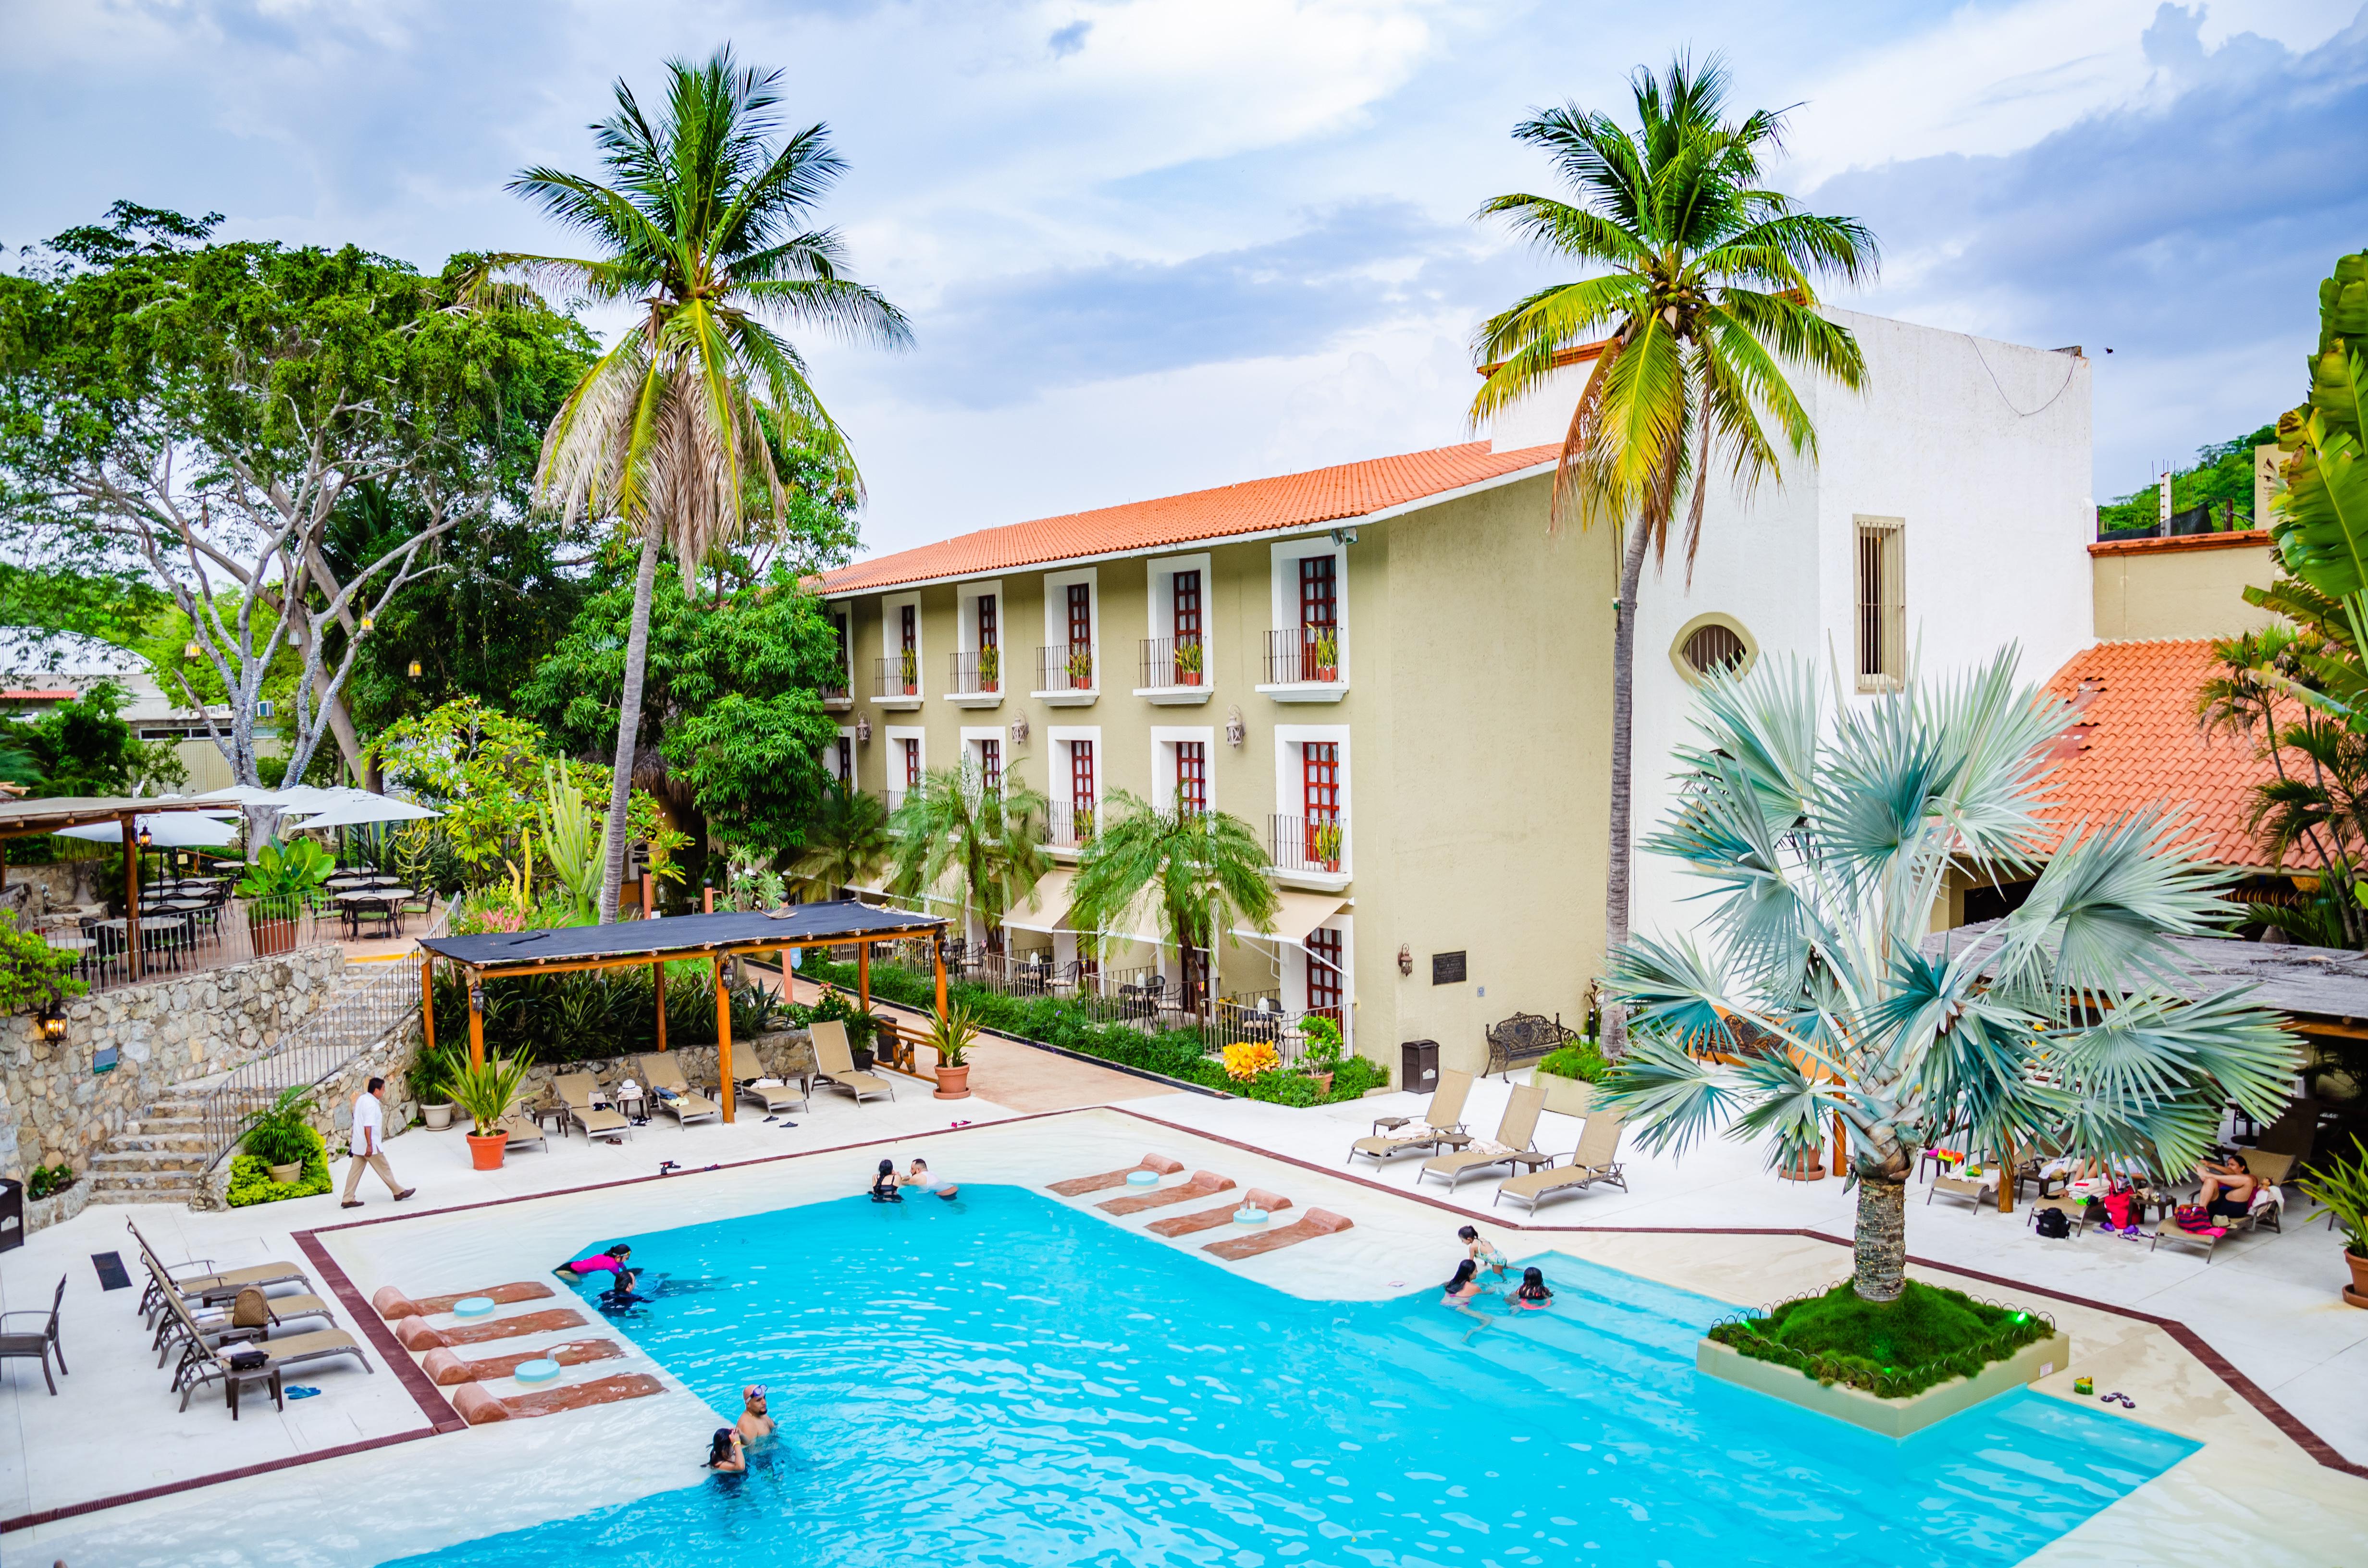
1203,1184
477,1405
210,1285
1517,1130
419,1334
671,1090
1314,1223
576,1091
1596,1159
1210,1219
1444,1114
835,1061
393,1303
776,1096
1979,1194
447,1369
205,1360
1078,1187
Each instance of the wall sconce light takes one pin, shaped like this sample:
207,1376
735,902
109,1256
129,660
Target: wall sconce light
1020,730
415,669
1344,536
863,729
52,1021
1405,959
1236,731
191,651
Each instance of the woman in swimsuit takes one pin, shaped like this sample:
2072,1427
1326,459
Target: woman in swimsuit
723,1452
1482,1252
1462,1290
884,1186
1532,1296
611,1263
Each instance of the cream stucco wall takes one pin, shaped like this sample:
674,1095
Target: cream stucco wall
2181,588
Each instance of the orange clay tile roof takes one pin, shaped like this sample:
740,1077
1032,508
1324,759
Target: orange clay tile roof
2136,745
1259,506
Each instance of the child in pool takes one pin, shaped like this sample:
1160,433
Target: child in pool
884,1186
611,1263
723,1451
620,1296
1482,1252
1462,1290
1532,1296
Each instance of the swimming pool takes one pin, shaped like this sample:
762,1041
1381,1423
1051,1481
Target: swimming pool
1000,1380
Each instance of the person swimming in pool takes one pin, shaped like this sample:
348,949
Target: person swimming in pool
1462,1290
723,1452
920,1175
613,1263
620,1296
1482,1252
884,1186
1532,1296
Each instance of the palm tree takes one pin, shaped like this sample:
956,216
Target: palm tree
950,826
1826,838
846,842
1209,869
703,230
1705,293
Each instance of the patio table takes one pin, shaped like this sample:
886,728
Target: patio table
1531,1159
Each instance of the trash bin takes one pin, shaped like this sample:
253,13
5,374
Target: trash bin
12,1213
1419,1066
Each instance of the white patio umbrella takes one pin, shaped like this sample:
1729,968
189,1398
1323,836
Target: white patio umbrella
367,808
167,830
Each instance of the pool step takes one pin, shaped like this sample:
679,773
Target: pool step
478,1405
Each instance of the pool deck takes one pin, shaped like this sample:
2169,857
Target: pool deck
1704,1224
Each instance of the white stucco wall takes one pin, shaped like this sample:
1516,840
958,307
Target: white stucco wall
1982,447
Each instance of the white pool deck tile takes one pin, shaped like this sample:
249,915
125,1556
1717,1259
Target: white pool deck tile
2251,1490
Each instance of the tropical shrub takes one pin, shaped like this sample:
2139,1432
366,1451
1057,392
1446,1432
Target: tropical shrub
1925,1337
1582,1058
250,1176
2343,1188
283,1135
45,1181
33,973
280,871
485,1091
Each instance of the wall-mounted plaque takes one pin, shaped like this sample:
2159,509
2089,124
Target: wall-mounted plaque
1446,969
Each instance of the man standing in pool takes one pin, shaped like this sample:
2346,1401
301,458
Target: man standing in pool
921,1177
754,1423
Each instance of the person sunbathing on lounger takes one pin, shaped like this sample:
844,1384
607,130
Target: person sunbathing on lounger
2229,1187
921,1177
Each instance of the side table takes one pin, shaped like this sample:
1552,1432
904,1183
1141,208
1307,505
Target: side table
268,1376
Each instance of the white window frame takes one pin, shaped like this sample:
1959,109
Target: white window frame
973,733
1057,788
1290,787
892,607
1297,960
844,610
1162,761
1283,575
854,758
1893,616
1159,615
1056,625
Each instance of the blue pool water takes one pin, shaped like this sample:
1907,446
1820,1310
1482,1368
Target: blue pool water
1000,1381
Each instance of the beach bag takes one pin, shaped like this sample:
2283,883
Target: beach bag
249,1311
2117,1211
249,1361
2054,1225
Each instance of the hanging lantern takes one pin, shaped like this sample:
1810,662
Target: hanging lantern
863,728
191,651
415,669
367,622
143,837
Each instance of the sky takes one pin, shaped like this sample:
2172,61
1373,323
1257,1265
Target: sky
1149,245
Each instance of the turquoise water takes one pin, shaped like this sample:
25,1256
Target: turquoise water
1000,1381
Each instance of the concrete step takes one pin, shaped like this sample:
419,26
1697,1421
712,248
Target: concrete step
147,1140
143,1186
116,1158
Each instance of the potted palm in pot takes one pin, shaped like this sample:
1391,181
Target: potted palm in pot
910,670
1080,666
484,1093
281,1136
949,1034
275,888
2343,1188
1188,664
1327,656
990,668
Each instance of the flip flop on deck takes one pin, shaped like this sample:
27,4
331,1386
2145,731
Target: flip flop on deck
445,1369
1210,1219
478,1405
1078,1187
415,1335
1202,1184
393,1303
1307,1227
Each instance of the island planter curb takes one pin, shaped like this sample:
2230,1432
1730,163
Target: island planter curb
953,1083
1565,1096
1889,1418
485,1154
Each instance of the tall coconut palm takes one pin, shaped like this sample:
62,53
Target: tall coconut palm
1703,293
845,841
951,828
1205,869
1826,839
703,230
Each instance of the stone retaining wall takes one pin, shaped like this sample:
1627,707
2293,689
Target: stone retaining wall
55,1111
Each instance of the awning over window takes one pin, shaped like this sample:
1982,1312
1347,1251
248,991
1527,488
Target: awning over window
1047,906
1300,914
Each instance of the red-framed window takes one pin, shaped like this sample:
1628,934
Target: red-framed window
1191,776
845,759
1081,786
1188,606
909,620
987,621
912,763
990,766
1081,617
1319,591
1324,972
1319,765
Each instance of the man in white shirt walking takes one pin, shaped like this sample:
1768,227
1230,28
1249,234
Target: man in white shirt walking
369,1146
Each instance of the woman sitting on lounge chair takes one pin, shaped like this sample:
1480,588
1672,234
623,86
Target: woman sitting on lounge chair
2229,1187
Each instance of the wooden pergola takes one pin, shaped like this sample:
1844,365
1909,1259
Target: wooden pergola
24,819
653,943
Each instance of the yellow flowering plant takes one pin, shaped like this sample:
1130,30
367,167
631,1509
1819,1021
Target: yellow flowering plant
1248,1060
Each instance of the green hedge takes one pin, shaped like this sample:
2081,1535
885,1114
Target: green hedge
1054,1020
1927,1336
250,1179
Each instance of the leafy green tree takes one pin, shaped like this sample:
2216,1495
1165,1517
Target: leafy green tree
114,607
2220,478
83,748
701,229
1703,292
1204,873
952,831
1825,839
845,841
731,730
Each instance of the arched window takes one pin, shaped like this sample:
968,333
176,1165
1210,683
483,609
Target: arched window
1712,643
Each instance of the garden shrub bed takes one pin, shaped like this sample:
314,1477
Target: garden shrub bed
250,1177
1893,1350
1052,1020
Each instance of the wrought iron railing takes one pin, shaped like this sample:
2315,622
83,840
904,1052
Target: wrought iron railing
1064,667
1067,826
1172,662
978,674
360,1016
897,676
188,935
1318,842
1301,656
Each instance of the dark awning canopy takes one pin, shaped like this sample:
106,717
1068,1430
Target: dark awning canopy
19,819
680,937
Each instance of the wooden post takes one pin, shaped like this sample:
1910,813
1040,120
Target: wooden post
723,1042
3,862
863,975
938,955
658,969
707,899
428,997
476,1022
131,894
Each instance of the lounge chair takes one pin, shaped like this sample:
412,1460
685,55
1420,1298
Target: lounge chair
40,1346
220,1324
1078,1187
521,1130
209,1287
775,1097
1210,1219
1444,1114
1203,1184
1517,1130
204,1360
2268,1212
576,1091
2076,1213
835,1061
1981,1195
478,1405
1314,1223
671,1090
1596,1159
394,1304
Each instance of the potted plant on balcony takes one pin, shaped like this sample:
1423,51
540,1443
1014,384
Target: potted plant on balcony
275,888
1327,656
910,672
949,1034
1081,668
990,668
1188,664
2343,1188
484,1094
282,1135
1323,844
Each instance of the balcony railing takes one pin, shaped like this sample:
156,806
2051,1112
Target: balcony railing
1067,826
837,693
898,677
978,674
1065,667
1301,656
1171,661
1318,844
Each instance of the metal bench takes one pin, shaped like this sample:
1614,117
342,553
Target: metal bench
1524,1037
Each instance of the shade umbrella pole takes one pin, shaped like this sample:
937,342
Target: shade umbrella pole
427,999
131,894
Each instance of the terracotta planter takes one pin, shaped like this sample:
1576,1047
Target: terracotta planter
271,936
1322,1082
438,1116
1327,674
485,1154
953,1083
2357,1291
291,1172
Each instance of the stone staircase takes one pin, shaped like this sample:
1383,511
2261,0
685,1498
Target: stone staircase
159,1158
